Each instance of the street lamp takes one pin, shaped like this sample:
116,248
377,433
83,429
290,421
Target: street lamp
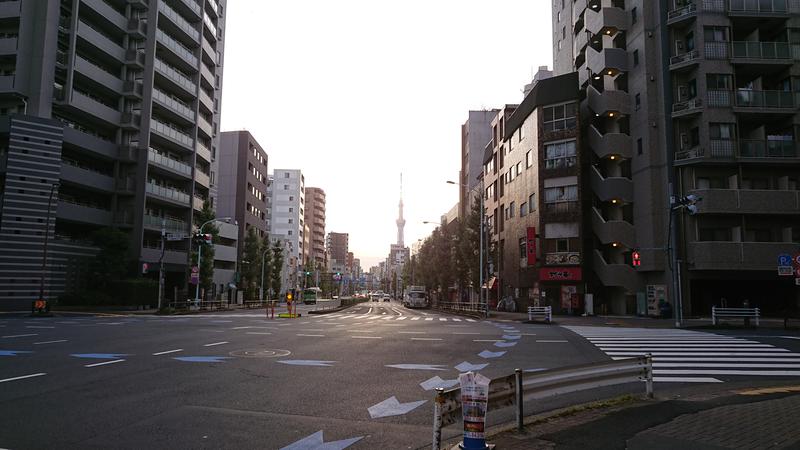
480,264
41,304
200,251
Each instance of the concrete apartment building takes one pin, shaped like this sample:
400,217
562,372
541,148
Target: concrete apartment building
337,249
315,221
688,97
286,215
242,183
534,195
475,136
110,109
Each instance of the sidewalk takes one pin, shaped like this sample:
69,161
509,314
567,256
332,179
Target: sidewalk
745,419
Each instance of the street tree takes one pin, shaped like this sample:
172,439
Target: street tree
207,262
111,262
277,267
250,264
265,255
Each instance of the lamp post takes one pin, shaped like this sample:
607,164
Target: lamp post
483,300
43,304
200,252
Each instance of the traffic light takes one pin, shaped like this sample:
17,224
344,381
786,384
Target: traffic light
636,258
207,238
689,202
145,268
289,297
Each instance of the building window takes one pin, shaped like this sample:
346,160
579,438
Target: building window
511,208
286,175
563,32
639,149
521,133
529,158
285,187
634,15
523,248
560,155
519,168
289,233
638,101
532,202
636,57
291,198
523,209
291,209
562,245
560,117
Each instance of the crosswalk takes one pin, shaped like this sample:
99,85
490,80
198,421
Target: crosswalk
396,318
692,356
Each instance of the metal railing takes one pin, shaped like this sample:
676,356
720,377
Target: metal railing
762,50
516,388
170,163
764,99
758,6
688,56
169,224
168,193
681,12
757,148
165,129
476,308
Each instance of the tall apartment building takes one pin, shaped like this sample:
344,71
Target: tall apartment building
475,136
110,108
337,249
315,220
242,183
689,97
286,215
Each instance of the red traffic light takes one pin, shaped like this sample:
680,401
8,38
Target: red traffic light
207,238
636,258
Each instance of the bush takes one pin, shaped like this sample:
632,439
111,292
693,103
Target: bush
118,293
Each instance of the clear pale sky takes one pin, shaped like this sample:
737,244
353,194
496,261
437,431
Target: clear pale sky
353,92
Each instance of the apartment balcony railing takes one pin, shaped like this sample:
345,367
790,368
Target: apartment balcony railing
173,104
179,21
716,50
686,57
173,164
679,14
170,132
214,6
176,76
167,193
765,99
765,50
691,106
210,25
713,5
193,6
742,149
134,58
749,148
171,225
767,7
562,207
177,48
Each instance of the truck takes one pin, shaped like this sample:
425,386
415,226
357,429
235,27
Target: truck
416,297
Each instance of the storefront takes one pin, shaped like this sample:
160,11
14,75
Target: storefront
561,288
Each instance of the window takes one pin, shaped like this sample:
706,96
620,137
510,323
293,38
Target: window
291,209
529,158
532,202
559,16
636,57
560,155
721,131
523,248
289,233
523,209
560,117
714,234
562,245
286,175
511,208
519,168
639,149
521,133
563,32
719,81
638,101
634,15
715,34
291,198
285,187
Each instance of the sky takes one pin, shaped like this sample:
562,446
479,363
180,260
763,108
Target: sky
354,92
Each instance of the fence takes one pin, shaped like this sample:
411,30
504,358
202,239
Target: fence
515,389
478,309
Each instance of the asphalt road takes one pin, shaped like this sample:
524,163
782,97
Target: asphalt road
240,380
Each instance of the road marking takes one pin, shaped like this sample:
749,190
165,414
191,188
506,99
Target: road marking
442,319
38,326
168,351
719,365
459,332
412,332
367,337
311,329
487,340
310,335
551,340
456,320
429,318
770,390
23,377
415,318
426,339
258,332
778,356
683,349
383,313
402,318
471,320
686,380
18,335
49,342
788,373
215,343
241,328
528,334
104,363
370,310
361,331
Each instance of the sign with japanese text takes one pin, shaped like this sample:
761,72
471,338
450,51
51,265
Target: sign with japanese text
474,402
531,246
560,274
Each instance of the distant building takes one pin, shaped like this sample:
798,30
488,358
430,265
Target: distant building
337,249
476,135
315,220
286,215
225,262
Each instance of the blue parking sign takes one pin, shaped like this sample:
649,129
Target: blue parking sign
784,259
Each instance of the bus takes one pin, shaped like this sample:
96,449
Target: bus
311,295
415,297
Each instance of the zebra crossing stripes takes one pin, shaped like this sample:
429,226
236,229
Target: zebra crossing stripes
387,317
692,356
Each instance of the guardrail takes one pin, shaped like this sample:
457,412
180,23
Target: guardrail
543,312
326,304
515,389
210,305
736,313
470,308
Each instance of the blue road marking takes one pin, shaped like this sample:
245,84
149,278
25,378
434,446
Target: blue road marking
99,355
211,359
12,352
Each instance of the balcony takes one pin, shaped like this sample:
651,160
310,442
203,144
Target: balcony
611,188
687,107
180,51
202,179
171,133
754,52
620,275
176,77
206,101
608,61
100,41
205,127
165,193
99,110
607,21
768,150
86,177
107,12
207,74
685,60
169,164
214,7
610,231
137,28
210,26
170,225
130,121
679,15
747,201
85,140
128,153
97,73
225,253
765,101
203,152
197,203
758,8
139,4
209,49
563,258
179,24
134,58
191,7
10,9
132,89
74,210
126,186
8,46
609,144
716,255
608,102
174,105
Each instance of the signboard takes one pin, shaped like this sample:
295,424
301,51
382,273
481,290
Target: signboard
195,278
796,260
797,281
560,274
569,297
474,402
785,271
656,293
531,247
784,259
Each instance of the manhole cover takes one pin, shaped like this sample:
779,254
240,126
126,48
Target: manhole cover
261,353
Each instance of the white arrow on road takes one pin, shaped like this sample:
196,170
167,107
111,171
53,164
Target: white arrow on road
315,442
392,407
505,344
466,367
487,354
307,362
437,382
417,366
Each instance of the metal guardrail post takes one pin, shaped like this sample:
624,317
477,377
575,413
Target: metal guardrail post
437,418
649,380
518,399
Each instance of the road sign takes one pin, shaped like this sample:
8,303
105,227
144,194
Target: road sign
785,271
176,237
195,278
784,259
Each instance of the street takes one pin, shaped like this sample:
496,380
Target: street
363,376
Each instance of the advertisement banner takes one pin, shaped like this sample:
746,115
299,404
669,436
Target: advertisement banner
560,274
531,246
474,400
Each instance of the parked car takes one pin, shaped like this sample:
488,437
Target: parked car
387,297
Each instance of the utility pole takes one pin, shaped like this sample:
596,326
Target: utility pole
41,305
161,264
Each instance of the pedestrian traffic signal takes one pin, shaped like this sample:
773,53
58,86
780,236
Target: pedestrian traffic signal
145,268
207,238
636,258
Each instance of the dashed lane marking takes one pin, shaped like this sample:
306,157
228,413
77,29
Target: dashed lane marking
23,377
487,340
310,335
551,340
367,337
39,326
258,332
49,342
18,335
461,332
168,352
215,343
426,339
428,318
412,332
104,363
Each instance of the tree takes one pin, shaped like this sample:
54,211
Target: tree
111,263
277,267
265,253
470,244
207,263
250,264
308,273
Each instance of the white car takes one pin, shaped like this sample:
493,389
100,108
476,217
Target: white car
387,297
376,296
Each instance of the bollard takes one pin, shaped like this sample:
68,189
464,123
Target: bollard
437,418
518,398
649,380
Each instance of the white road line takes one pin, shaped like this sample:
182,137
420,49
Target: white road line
778,356
387,318
311,329
686,380
456,320
731,345
790,373
550,340
426,339
168,352
362,331
528,334
471,320
415,318
311,335
104,363
370,310
215,343
402,318
383,313
456,332
487,340
367,337
772,360
442,319
18,335
38,326
257,332
412,332
429,318
683,349
49,342
23,377
723,365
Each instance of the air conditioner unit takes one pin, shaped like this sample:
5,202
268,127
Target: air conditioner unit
684,141
683,93
678,47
